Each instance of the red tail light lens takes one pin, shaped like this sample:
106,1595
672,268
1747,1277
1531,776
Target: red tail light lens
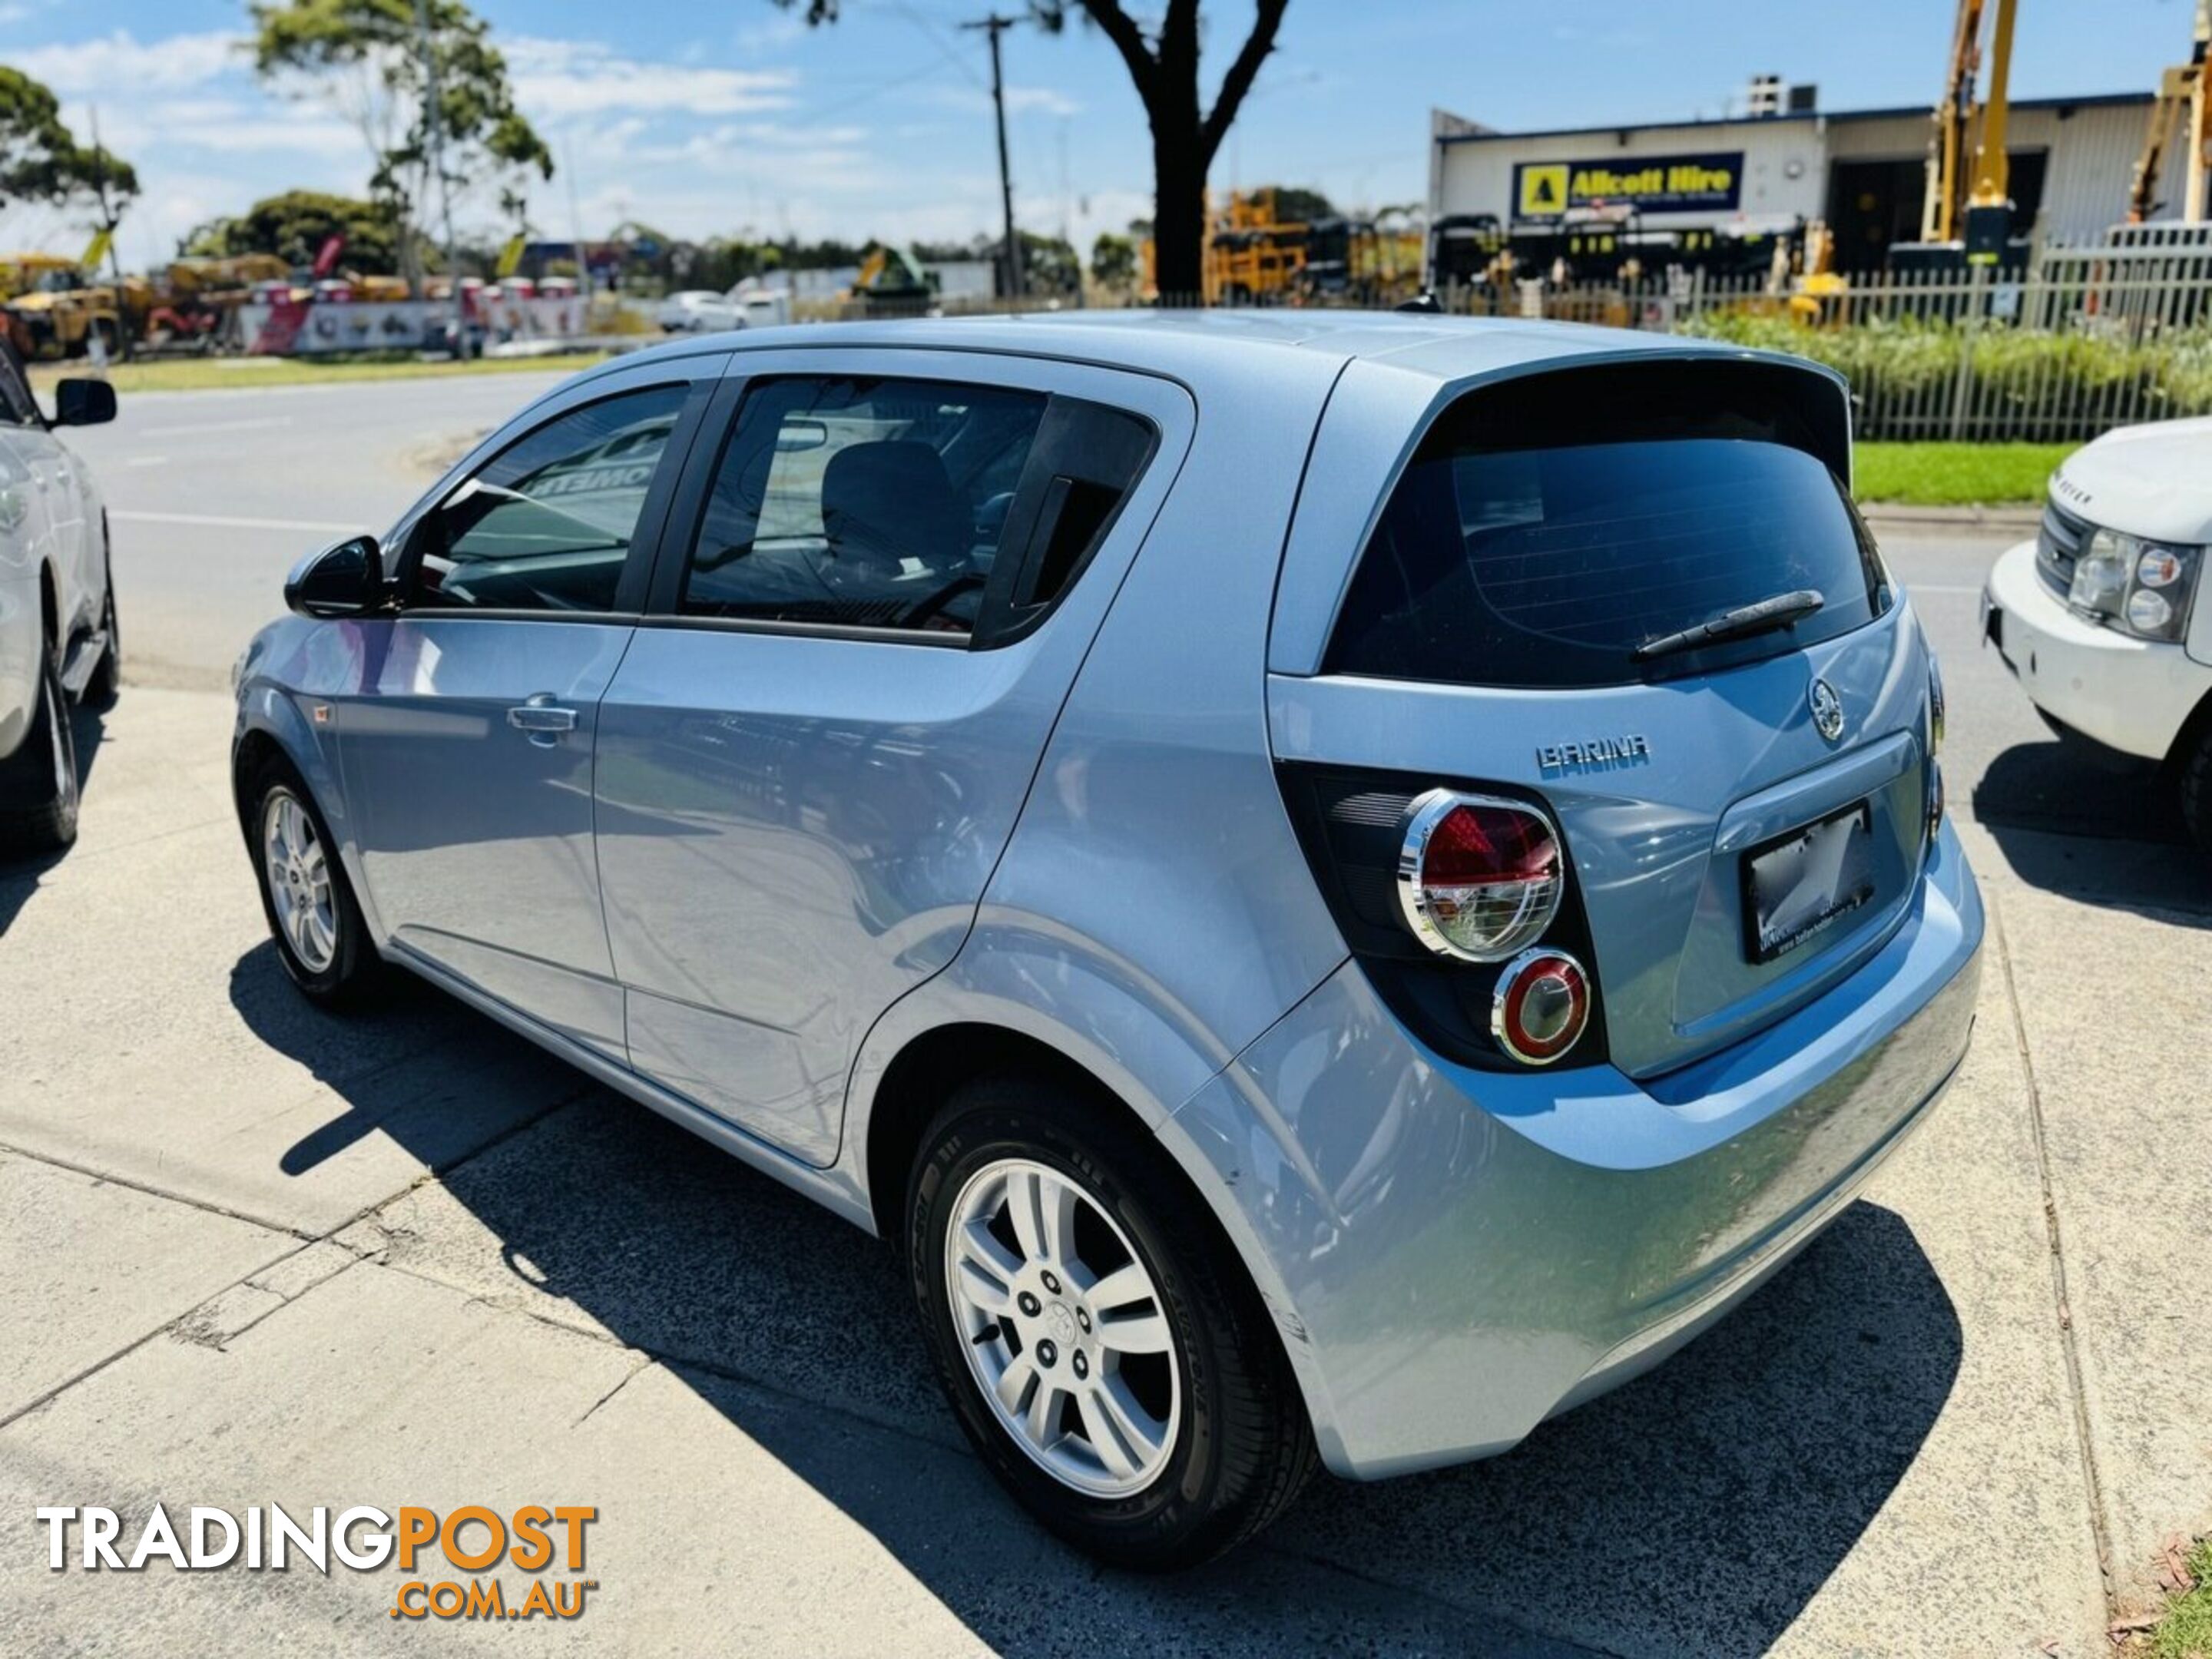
1479,879
1541,1006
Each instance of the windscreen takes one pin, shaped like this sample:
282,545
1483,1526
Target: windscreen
1558,532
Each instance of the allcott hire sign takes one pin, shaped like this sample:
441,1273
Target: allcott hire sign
1653,184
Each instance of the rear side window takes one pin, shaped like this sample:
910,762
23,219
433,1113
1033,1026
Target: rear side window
1546,530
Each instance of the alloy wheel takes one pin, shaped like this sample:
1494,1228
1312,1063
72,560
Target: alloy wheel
1063,1327
297,869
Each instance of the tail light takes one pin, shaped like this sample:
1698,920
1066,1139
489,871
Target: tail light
1479,879
1541,1006
1461,905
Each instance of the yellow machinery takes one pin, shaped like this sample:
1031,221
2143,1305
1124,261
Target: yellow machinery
21,272
61,317
1968,170
891,284
2185,97
1251,256
63,314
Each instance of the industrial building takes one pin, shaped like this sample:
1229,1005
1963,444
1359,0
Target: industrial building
1862,171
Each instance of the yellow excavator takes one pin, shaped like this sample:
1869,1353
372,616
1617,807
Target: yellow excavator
2184,99
1968,198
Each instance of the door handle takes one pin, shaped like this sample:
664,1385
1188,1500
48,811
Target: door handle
541,720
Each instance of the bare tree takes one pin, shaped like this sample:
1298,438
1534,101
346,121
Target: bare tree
1163,63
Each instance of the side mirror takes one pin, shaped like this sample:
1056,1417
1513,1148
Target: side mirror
83,402
345,578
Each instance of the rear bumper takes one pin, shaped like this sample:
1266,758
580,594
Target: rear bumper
2127,695
1453,1255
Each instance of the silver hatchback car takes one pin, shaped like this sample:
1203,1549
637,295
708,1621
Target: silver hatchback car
1337,883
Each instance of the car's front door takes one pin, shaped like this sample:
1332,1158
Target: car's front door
467,749
875,592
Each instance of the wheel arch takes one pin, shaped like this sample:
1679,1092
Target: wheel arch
924,1073
911,1079
271,724
2193,728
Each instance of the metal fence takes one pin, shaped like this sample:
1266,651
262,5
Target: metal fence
2084,340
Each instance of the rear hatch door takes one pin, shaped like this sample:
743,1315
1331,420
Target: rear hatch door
1744,814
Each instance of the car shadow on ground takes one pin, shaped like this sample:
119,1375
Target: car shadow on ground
1695,1510
19,878
2072,827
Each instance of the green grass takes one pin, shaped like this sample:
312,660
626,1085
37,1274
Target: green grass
2185,1631
244,373
1955,475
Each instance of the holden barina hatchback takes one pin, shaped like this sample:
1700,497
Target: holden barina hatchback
1336,884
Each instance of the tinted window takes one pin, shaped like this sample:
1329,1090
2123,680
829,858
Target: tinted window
1540,542
547,524
874,502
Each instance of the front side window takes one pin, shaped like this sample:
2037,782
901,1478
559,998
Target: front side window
547,524
862,502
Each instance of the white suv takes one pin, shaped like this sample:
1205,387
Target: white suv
58,642
2097,617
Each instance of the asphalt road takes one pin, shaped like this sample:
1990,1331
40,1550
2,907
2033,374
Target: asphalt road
253,1252
212,495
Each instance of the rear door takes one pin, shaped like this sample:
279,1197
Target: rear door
467,741
1745,818
882,571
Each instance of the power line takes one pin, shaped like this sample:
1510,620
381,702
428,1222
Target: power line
943,41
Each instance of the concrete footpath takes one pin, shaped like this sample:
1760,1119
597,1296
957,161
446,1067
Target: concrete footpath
252,1253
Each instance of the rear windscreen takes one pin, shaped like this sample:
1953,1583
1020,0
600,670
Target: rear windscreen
1547,529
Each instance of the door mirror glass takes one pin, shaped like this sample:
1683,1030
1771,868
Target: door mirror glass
344,580
83,402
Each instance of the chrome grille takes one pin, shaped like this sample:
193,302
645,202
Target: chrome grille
2058,543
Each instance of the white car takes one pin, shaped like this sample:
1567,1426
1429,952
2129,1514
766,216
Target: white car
698,311
2099,617
58,643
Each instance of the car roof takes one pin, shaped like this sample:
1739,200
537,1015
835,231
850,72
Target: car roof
1193,345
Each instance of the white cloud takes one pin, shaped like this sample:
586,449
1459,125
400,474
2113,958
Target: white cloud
119,65
554,79
1020,100
146,130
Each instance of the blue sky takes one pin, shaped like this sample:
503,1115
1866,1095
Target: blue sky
701,118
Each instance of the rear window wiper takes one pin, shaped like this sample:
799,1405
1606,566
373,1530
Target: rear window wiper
1757,617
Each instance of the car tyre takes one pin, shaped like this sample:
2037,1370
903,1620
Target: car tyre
313,916
2196,787
1176,1430
106,684
38,781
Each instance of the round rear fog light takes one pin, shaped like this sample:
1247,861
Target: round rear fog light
1541,1006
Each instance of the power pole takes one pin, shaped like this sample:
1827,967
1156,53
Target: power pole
108,224
995,25
434,114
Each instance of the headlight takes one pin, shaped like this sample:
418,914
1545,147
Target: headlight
2144,587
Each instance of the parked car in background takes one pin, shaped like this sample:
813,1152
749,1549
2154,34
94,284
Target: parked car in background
697,310
1337,883
2098,616
58,639
760,308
